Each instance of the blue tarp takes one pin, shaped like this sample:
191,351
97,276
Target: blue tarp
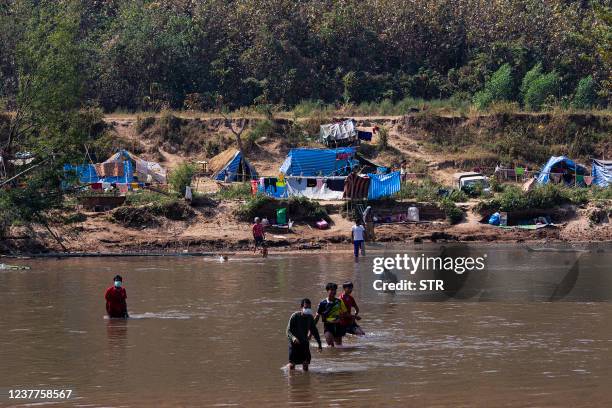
87,173
273,191
383,185
602,173
319,162
232,168
559,164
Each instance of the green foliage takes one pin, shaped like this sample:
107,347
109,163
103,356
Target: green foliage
426,191
540,89
181,177
497,88
531,75
235,191
585,95
142,197
429,191
541,197
383,139
453,213
141,54
298,209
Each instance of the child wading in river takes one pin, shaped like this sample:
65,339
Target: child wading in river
348,320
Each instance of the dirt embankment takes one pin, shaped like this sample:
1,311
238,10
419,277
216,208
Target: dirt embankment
216,229
436,145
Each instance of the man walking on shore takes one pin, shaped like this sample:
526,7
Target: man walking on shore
357,235
301,325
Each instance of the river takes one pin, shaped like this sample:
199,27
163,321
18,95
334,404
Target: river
536,332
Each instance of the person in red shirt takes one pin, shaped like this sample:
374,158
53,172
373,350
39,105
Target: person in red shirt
259,234
115,296
348,320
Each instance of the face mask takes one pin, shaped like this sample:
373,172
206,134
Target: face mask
307,311
117,284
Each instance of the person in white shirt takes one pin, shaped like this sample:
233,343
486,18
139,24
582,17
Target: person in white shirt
358,238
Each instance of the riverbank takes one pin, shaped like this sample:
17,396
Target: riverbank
214,231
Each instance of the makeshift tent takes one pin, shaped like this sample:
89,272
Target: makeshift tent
338,133
319,188
383,185
231,165
601,171
144,171
319,162
560,168
356,187
122,167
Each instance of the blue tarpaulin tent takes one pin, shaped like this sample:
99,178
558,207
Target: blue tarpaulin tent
319,162
231,165
87,173
560,165
383,185
601,171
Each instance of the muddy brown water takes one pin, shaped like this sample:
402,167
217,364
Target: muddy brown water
536,332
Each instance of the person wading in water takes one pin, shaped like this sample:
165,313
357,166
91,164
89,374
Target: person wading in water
330,309
301,325
115,296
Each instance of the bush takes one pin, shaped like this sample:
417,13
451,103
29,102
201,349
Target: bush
181,177
497,88
298,209
585,95
142,197
541,90
547,196
235,191
383,139
531,75
425,191
453,213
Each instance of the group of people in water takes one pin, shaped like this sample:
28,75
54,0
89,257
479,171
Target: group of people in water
335,312
338,320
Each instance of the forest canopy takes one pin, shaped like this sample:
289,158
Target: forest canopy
188,54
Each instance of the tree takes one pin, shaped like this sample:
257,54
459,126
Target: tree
497,88
585,95
181,177
48,120
540,89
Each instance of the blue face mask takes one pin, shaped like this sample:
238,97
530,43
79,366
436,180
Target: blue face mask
117,284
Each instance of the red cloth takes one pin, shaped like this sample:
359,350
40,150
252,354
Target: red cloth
116,305
349,302
258,230
254,186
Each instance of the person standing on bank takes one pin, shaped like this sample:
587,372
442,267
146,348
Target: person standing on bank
259,235
116,305
357,235
301,325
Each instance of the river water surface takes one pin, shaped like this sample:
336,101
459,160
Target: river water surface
205,333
